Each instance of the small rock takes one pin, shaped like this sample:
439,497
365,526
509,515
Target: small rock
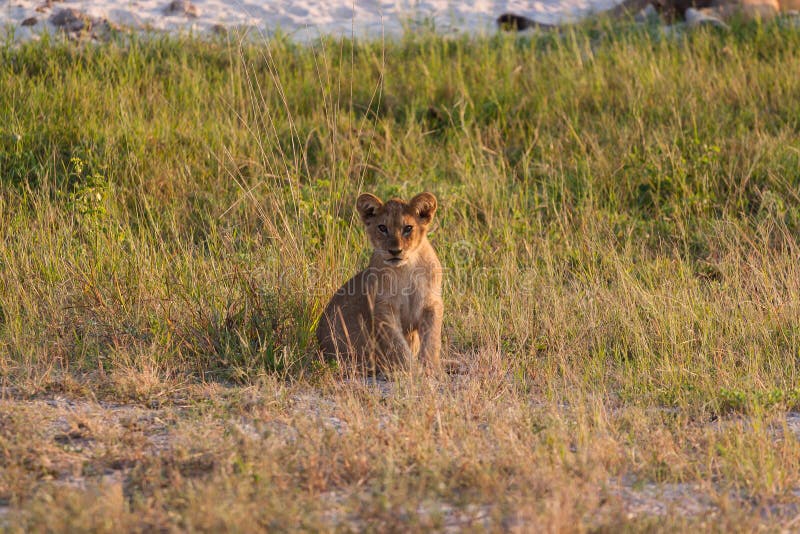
512,22
181,7
105,30
647,14
69,19
73,22
30,21
698,17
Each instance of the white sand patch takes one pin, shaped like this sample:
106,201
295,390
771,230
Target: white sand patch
302,19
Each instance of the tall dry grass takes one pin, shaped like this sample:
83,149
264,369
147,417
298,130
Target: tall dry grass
618,225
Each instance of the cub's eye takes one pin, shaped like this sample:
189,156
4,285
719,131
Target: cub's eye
382,228
407,229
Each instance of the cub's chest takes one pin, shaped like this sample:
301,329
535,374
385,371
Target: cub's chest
411,302
404,290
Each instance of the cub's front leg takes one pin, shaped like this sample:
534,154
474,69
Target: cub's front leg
392,347
430,334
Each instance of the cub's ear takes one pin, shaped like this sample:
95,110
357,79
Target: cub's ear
367,206
425,206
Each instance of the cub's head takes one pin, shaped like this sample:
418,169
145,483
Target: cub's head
396,228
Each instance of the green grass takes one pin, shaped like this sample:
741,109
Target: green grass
619,219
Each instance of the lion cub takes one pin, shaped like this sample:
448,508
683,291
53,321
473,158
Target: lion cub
391,312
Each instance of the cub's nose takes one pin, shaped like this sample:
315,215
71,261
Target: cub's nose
394,252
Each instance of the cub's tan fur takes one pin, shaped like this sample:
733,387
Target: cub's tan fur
390,313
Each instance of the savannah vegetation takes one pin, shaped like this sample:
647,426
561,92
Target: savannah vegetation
618,223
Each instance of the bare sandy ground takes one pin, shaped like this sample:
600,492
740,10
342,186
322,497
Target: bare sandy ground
302,19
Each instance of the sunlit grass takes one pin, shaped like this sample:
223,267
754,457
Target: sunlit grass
619,212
